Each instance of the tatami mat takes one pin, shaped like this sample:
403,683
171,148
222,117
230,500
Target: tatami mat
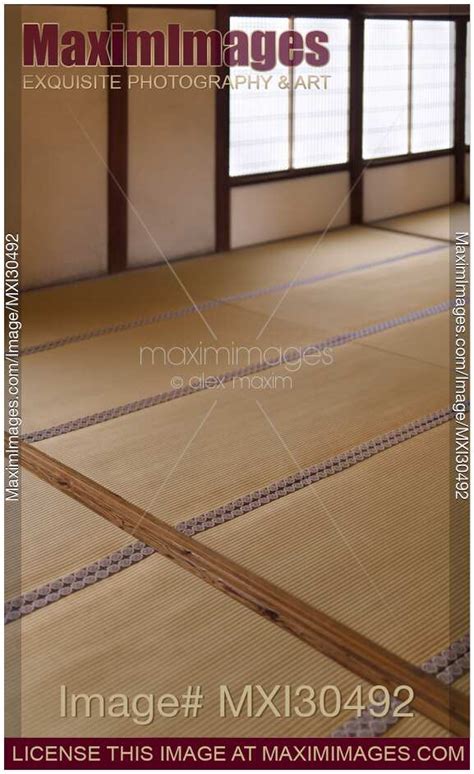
439,223
426,339
57,536
187,456
98,374
293,259
352,302
83,306
101,373
155,629
369,546
463,684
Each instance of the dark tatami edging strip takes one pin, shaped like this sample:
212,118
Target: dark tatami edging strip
119,560
347,647
448,665
213,303
381,227
293,355
313,474
80,579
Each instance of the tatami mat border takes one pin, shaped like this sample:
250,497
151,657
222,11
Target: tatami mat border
313,474
75,581
294,354
125,557
448,665
212,303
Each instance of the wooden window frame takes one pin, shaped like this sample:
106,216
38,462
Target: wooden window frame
118,118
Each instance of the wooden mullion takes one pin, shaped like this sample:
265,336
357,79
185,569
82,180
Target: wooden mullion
460,109
222,184
117,158
356,95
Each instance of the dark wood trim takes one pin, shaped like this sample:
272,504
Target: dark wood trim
438,702
167,6
117,183
415,17
286,174
409,157
174,7
318,11
356,95
410,86
406,10
222,186
311,11
460,110
349,11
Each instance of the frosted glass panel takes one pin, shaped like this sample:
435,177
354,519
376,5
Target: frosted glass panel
433,85
386,84
259,118
321,117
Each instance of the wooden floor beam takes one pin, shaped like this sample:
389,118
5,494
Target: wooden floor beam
445,706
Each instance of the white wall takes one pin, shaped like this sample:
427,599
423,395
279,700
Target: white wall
63,180
171,172
396,189
171,155
285,208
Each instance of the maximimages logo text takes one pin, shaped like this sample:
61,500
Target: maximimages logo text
46,45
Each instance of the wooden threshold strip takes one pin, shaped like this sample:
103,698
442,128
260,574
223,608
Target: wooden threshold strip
445,706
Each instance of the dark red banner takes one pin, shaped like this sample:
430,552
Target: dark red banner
237,753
